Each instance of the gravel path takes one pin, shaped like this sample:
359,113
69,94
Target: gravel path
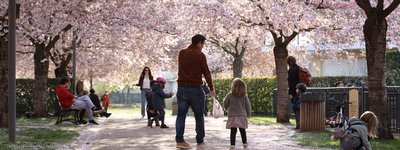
130,132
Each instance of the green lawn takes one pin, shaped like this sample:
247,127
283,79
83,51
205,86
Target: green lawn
322,139
265,120
40,133
22,121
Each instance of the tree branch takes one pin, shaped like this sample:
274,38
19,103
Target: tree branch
57,37
258,5
276,39
22,52
236,46
243,48
365,5
290,38
391,8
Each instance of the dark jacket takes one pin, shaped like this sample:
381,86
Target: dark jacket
95,100
293,79
149,99
158,96
141,81
192,65
296,101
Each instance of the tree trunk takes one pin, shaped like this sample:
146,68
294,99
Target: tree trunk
40,84
280,54
4,81
375,29
61,70
237,67
79,86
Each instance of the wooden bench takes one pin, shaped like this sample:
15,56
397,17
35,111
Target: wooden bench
64,112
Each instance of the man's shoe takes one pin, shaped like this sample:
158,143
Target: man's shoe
183,145
93,122
164,126
201,144
82,121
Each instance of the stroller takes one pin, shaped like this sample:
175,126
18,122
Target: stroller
151,113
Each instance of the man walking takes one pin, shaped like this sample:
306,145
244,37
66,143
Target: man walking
192,66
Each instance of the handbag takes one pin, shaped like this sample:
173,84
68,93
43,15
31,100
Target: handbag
217,111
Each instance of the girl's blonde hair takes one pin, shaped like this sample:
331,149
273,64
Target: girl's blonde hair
372,123
239,88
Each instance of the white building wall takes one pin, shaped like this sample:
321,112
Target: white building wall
338,67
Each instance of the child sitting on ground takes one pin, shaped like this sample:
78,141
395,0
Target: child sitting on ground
358,133
158,97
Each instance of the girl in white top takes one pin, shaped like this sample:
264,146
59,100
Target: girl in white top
144,83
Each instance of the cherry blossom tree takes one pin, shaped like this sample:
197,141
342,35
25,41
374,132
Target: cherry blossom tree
375,33
42,23
284,20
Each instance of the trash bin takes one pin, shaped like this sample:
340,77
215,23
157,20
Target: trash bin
312,111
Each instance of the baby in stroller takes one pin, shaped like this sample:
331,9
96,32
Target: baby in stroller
151,112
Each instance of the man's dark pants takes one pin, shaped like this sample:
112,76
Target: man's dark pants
194,97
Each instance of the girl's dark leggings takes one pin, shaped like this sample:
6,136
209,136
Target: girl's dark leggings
242,134
161,115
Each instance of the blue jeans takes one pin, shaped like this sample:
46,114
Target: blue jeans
143,101
194,97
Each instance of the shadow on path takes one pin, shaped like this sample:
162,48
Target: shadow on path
130,132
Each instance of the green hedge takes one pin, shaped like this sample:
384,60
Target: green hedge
259,92
24,95
259,89
393,68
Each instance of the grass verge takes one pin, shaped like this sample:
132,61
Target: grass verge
322,140
40,133
266,120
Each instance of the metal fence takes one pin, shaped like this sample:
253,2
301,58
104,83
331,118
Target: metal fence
124,99
337,96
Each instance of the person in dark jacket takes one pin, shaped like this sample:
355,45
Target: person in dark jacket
300,89
144,83
96,101
293,76
151,112
158,97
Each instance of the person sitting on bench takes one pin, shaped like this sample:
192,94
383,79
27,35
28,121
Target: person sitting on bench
68,100
96,101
